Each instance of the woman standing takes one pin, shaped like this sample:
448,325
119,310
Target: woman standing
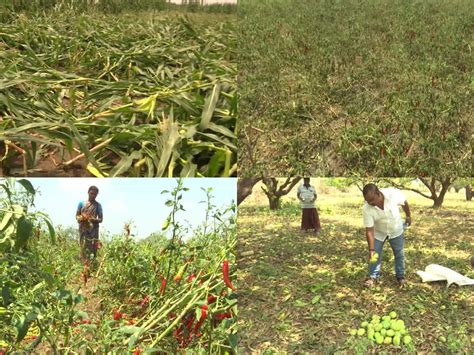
307,196
89,215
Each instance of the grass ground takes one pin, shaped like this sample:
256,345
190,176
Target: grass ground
302,293
129,94
331,87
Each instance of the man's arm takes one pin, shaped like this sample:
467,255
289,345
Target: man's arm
370,234
406,209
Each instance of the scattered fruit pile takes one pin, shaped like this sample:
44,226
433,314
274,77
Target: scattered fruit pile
384,330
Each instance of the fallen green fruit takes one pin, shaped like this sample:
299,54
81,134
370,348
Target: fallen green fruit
378,339
393,315
396,340
383,331
361,331
353,331
378,327
395,326
406,339
374,258
386,324
387,340
442,339
390,333
364,324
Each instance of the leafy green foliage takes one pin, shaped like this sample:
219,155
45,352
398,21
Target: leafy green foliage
343,87
51,302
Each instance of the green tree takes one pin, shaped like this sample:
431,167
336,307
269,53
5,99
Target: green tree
275,192
437,187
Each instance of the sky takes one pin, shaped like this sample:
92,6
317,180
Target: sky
125,199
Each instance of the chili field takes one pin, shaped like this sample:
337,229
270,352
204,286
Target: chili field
161,294
310,288
128,94
333,88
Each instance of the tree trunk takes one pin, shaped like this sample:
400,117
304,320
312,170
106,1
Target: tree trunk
468,192
275,192
274,202
438,199
438,202
244,188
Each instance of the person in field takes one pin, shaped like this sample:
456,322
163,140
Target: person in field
310,218
89,215
382,222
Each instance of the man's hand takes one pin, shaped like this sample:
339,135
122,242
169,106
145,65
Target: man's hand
408,220
406,209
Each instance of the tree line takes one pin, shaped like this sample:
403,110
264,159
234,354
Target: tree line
275,189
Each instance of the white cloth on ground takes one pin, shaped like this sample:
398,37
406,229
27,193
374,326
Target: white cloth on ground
434,272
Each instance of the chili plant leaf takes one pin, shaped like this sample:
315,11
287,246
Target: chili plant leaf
24,230
27,185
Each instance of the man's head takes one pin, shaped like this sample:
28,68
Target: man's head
93,192
306,181
372,194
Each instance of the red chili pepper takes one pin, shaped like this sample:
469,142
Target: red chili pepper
117,315
86,321
163,285
137,352
180,273
145,301
183,333
222,316
201,320
191,277
225,272
211,299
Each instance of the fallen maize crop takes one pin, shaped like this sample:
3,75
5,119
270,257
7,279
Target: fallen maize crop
127,95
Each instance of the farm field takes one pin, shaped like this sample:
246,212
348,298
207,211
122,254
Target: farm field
310,288
333,88
120,93
162,294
